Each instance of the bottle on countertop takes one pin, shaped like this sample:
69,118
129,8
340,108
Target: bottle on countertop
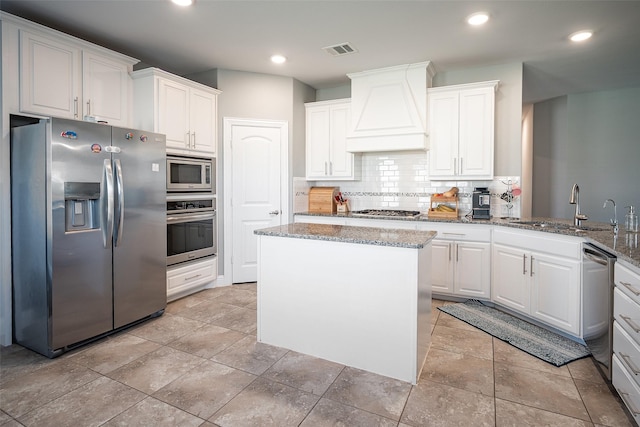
631,220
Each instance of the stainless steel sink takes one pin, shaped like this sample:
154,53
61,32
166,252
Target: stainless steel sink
559,226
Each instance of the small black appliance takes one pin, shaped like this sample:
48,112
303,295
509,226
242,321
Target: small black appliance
481,203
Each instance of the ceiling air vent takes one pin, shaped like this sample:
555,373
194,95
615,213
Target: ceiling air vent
340,49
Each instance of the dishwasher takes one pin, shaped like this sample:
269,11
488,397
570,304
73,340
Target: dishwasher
597,304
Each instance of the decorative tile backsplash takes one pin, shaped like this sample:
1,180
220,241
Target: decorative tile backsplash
400,180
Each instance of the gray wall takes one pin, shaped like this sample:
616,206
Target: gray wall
590,139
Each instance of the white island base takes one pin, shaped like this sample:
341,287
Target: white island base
361,305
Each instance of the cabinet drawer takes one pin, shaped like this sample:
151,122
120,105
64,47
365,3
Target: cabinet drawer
540,241
627,281
628,352
465,232
627,313
191,275
626,388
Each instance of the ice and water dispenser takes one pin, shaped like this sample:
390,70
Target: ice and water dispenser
82,205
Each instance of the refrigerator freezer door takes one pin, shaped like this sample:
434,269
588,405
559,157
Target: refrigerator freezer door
80,265
140,247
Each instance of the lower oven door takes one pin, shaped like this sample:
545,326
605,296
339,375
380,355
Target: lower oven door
190,236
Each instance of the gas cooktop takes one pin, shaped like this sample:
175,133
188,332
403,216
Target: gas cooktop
395,213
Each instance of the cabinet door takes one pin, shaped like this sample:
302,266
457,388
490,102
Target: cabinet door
105,89
476,129
173,113
473,269
555,291
510,278
317,143
442,266
340,161
50,82
203,123
443,136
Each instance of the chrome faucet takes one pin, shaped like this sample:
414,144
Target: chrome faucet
575,200
614,220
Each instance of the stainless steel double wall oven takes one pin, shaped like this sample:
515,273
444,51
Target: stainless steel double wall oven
191,209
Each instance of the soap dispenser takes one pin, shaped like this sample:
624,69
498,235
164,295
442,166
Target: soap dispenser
631,220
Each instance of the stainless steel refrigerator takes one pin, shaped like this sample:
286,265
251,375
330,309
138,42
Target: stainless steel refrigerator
88,231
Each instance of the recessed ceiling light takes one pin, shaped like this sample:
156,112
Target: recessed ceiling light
278,59
182,2
580,36
478,18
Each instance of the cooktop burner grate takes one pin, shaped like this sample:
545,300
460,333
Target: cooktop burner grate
386,213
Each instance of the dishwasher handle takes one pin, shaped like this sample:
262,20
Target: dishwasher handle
594,256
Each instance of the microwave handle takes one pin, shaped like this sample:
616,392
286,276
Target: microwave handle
176,219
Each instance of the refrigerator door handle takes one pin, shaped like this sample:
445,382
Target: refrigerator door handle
119,191
106,203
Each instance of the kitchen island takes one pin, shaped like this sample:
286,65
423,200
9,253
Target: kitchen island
359,296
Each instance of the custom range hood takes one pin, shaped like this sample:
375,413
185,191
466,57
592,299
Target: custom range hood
389,108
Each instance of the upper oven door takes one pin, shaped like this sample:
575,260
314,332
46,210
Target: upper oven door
190,174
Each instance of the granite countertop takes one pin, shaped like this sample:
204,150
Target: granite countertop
625,245
343,233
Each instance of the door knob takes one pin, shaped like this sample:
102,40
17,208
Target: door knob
276,212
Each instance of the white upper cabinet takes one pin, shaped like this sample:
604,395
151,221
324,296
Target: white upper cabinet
63,78
389,108
326,134
183,110
461,121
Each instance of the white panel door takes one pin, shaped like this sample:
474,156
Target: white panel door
341,161
203,121
476,132
255,198
105,90
510,278
443,134
317,143
473,269
173,113
442,266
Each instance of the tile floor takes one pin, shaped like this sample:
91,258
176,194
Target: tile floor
200,365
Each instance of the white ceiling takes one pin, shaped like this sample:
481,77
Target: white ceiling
241,35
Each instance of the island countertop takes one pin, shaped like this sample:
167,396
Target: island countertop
350,234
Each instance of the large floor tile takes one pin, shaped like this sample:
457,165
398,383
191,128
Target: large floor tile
241,319
249,286
459,370
208,311
114,352
17,361
39,387
204,390
370,392
90,405
235,295
185,304
154,370
585,369
166,328
550,392
306,373
448,320
266,403
602,406
250,355
207,341
509,414
507,354
433,404
328,413
152,412
472,342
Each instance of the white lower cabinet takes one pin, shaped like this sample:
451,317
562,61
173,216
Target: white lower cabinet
461,260
543,285
626,336
187,278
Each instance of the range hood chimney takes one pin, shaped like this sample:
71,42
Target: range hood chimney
389,108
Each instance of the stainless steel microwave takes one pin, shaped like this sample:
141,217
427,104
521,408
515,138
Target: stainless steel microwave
191,174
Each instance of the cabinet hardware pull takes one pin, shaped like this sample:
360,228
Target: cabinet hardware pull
630,287
630,323
461,166
75,107
188,142
89,108
457,250
330,168
453,234
629,362
633,410
455,166
194,140
449,252
524,264
531,266
325,168
192,277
